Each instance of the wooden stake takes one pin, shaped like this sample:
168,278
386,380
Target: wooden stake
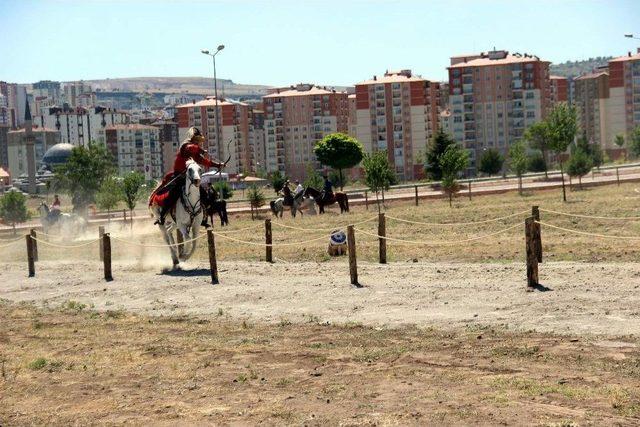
618,176
30,259
35,244
535,213
100,234
469,192
416,189
106,250
213,263
268,240
382,231
532,259
124,214
366,200
353,267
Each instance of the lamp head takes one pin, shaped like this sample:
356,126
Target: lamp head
220,47
629,36
206,52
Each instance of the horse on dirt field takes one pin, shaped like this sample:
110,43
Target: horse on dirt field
187,217
339,197
63,222
214,206
277,206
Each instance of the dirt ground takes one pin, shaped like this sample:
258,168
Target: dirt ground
74,366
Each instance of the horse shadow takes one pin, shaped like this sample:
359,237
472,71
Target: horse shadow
541,288
180,272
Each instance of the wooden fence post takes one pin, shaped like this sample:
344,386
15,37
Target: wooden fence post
30,259
35,244
618,176
106,250
535,213
124,214
416,188
268,240
382,231
531,256
213,263
469,187
366,200
353,267
100,234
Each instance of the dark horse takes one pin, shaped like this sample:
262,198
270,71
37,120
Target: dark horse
339,197
214,206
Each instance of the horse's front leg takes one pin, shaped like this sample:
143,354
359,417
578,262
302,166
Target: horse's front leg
168,238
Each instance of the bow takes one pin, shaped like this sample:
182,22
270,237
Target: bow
228,158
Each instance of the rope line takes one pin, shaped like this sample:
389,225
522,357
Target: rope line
458,223
11,242
322,229
586,233
610,218
272,244
435,243
55,245
151,245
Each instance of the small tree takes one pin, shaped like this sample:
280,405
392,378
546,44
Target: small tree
579,164
277,180
337,179
537,135
536,163
109,194
223,189
256,198
339,151
13,208
313,178
379,174
634,142
437,146
453,161
518,161
562,125
491,162
132,190
619,141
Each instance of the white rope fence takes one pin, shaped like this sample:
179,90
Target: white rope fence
608,218
272,244
586,233
323,228
11,242
438,224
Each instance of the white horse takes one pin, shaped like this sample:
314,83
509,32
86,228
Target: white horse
67,224
299,203
188,214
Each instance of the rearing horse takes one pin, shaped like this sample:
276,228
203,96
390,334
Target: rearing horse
338,196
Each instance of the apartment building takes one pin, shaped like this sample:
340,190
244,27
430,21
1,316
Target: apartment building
353,115
47,89
494,97
4,146
169,141
79,126
591,96
15,101
398,112
295,119
559,89
75,94
136,147
236,130
259,144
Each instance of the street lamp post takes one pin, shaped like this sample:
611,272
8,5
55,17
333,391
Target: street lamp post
630,36
215,94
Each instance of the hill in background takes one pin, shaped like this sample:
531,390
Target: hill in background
577,68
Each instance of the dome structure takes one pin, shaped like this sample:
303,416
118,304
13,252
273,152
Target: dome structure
57,155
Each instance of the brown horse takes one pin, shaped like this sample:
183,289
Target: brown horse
339,197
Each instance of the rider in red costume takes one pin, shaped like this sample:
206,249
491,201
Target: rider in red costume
169,189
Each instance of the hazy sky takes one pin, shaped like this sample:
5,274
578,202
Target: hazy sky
281,42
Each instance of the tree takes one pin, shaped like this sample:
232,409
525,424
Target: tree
619,141
379,175
13,208
313,179
109,194
339,151
518,161
562,125
437,146
453,161
536,163
84,173
634,142
223,189
337,179
537,135
277,180
132,190
579,164
256,198
491,162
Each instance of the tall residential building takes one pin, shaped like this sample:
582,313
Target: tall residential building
4,146
73,90
79,126
559,89
591,96
236,130
136,148
16,101
47,89
5,114
398,112
353,115
295,119
169,142
259,146
495,97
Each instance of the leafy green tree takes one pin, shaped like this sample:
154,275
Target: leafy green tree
339,151
619,141
536,163
437,146
13,208
313,178
256,198
379,174
562,124
491,162
634,142
133,189
337,179
453,161
537,135
518,161
84,173
277,180
109,194
223,189
579,164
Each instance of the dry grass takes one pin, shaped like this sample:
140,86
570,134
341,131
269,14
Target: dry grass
75,366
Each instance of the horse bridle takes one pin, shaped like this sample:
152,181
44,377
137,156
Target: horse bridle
192,209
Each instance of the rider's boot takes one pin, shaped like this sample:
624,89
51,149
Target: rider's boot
163,213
